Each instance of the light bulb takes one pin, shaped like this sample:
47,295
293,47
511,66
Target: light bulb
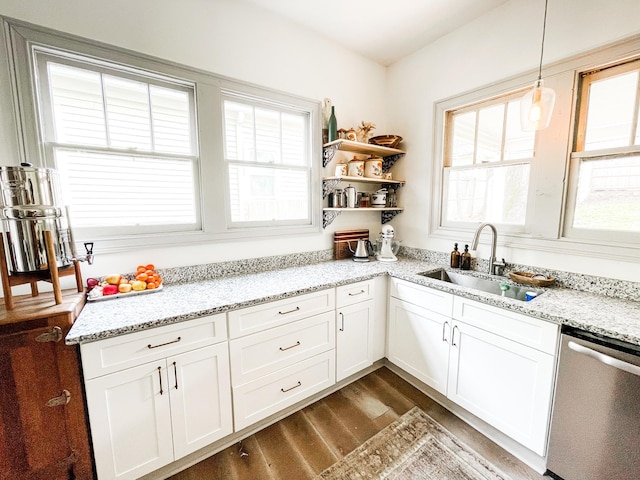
536,107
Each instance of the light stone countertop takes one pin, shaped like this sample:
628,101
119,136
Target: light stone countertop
612,317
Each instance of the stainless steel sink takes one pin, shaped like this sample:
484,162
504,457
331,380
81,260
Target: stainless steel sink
497,287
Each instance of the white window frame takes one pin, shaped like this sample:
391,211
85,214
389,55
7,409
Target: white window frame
214,200
579,155
550,169
502,99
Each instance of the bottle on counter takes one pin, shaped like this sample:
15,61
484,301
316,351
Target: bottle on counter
455,257
465,259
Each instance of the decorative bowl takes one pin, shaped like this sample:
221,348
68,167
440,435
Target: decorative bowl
390,141
533,279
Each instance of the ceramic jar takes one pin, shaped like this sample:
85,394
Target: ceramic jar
356,168
373,168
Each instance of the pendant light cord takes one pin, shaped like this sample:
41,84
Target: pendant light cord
544,29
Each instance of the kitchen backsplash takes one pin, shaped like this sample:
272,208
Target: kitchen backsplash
609,287
587,283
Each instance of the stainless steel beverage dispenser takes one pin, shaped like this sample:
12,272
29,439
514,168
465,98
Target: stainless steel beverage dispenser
31,204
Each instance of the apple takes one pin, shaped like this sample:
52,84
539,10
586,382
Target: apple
110,289
113,279
92,282
139,285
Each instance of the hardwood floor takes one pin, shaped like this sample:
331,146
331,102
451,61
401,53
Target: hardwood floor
305,443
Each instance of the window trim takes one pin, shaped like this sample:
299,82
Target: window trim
551,168
21,36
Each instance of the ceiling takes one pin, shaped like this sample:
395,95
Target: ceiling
382,30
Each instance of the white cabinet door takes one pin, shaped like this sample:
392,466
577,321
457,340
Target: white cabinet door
419,342
130,421
200,387
503,382
354,338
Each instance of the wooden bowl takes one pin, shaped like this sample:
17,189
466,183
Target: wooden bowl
390,141
533,279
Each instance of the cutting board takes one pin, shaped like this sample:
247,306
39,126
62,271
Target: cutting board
341,241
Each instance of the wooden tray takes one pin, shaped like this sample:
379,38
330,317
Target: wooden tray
533,279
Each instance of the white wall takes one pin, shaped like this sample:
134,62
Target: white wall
232,39
503,43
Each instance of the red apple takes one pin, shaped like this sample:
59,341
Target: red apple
109,289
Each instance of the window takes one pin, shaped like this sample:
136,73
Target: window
487,164
124,143
604,194
268,162
152,153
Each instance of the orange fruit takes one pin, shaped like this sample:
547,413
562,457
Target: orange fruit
142,277
151,266
151,285
141,268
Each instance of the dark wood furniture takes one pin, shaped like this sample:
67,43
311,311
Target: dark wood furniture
43,425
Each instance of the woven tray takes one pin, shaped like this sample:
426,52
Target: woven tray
533,279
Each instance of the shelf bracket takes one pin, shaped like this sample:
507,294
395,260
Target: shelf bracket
328,217
329,186
388,162
387,216
328,152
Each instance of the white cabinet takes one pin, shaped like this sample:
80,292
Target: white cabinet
281,352
354,328
504,378
145,416
418,342
419,332
496,364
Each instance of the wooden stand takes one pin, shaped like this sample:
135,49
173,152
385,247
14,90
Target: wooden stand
52,275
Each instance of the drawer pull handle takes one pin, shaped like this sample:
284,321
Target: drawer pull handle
444,329
342,322
175,374
358,293
163,344
160,377
292,346
289,389
55,335
290,311
60,400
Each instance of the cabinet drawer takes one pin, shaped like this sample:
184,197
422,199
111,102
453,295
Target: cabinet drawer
117,353
354,293
263,397
272,314
265,352
429,298
523,329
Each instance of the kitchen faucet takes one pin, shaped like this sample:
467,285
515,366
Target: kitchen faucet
494,265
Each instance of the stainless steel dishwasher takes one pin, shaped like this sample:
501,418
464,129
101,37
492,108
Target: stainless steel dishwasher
595,426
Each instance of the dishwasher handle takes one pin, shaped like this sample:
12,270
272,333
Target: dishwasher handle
606,359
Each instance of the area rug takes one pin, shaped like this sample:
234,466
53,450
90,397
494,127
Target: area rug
413,447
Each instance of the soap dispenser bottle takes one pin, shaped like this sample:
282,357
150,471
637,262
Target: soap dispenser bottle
465,259
455,257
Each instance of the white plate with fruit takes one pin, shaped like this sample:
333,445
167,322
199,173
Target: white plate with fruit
115,285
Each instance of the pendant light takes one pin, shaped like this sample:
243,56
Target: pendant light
537,104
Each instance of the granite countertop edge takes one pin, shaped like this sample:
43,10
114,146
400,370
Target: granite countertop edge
187,301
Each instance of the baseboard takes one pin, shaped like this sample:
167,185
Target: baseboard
522,453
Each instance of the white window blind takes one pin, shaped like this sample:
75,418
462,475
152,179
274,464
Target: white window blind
267,152
124,142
